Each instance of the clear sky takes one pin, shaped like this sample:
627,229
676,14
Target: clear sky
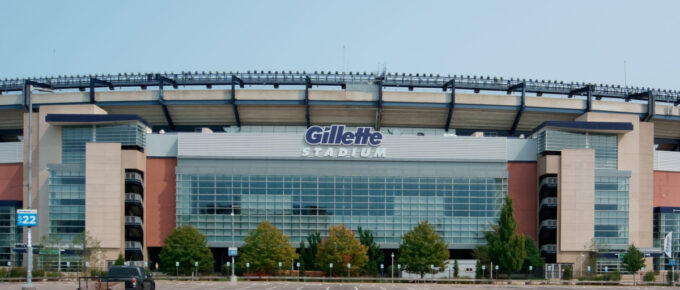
585,41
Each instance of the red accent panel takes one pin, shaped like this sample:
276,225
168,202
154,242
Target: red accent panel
666,188
11,181
160,199
522,186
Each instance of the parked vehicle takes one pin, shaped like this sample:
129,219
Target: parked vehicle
134,277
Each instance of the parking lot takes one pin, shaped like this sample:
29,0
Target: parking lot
183,285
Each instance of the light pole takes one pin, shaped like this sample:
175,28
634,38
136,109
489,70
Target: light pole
176,269
330,265
349,265
28,89
581,270
233,276
280,268
392,255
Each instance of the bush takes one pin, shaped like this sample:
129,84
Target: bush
568,273
38,273
97,273
614,276
17,272
649,277
669,276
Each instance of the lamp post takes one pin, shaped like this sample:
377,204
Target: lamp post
392,255
233,276
349,265
28,89
176,269
581,270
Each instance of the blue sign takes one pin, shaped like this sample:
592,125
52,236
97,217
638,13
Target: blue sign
233,252
27,217
336,135
671,262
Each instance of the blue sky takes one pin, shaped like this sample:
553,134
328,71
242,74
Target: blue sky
585,41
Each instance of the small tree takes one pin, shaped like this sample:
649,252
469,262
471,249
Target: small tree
265,247
568,273
341,247
90,246
186,245
533,257
120,261
302,267
308,253
375,255
506,247
455,268
422,247
633,260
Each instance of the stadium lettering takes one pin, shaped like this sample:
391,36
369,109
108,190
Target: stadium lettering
334,135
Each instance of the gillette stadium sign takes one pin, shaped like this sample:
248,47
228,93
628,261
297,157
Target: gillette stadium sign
337,142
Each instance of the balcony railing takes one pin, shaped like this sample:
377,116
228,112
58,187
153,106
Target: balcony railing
549,224
549,248
134,221
134,198
134,176
550,182
548,202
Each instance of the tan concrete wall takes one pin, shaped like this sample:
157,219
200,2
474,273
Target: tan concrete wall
636,154
104,195
548,164
133,159
47,150
576,198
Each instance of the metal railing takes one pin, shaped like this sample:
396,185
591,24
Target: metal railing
134,176
549,181
134,197
323,78
133,245
548,202
549,224
134,220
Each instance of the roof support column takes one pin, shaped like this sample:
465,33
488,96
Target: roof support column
378,116
308,85
161,99
234,79
93,83
651,106
522,106
452,104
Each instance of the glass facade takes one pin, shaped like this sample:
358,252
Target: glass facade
666,219
605,145
611,210
74,138
67,202
460,208
10,234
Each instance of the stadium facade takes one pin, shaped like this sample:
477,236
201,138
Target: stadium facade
591,168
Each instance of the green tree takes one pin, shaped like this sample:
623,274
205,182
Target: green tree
422,247
375,255
506,247
120,261
302,267
567,273
90,246
455,268
341,247
186,245
633,260
308,253
265,247
533,257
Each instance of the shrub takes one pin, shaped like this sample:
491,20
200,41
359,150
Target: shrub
17,272
649,277
669,276
97,273
614,276
38,273
568,274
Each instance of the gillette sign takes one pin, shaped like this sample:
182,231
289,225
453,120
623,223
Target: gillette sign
337,142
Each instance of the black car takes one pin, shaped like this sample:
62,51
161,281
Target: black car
134,277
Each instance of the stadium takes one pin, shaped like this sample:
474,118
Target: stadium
591,168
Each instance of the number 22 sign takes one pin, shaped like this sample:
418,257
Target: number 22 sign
27,217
